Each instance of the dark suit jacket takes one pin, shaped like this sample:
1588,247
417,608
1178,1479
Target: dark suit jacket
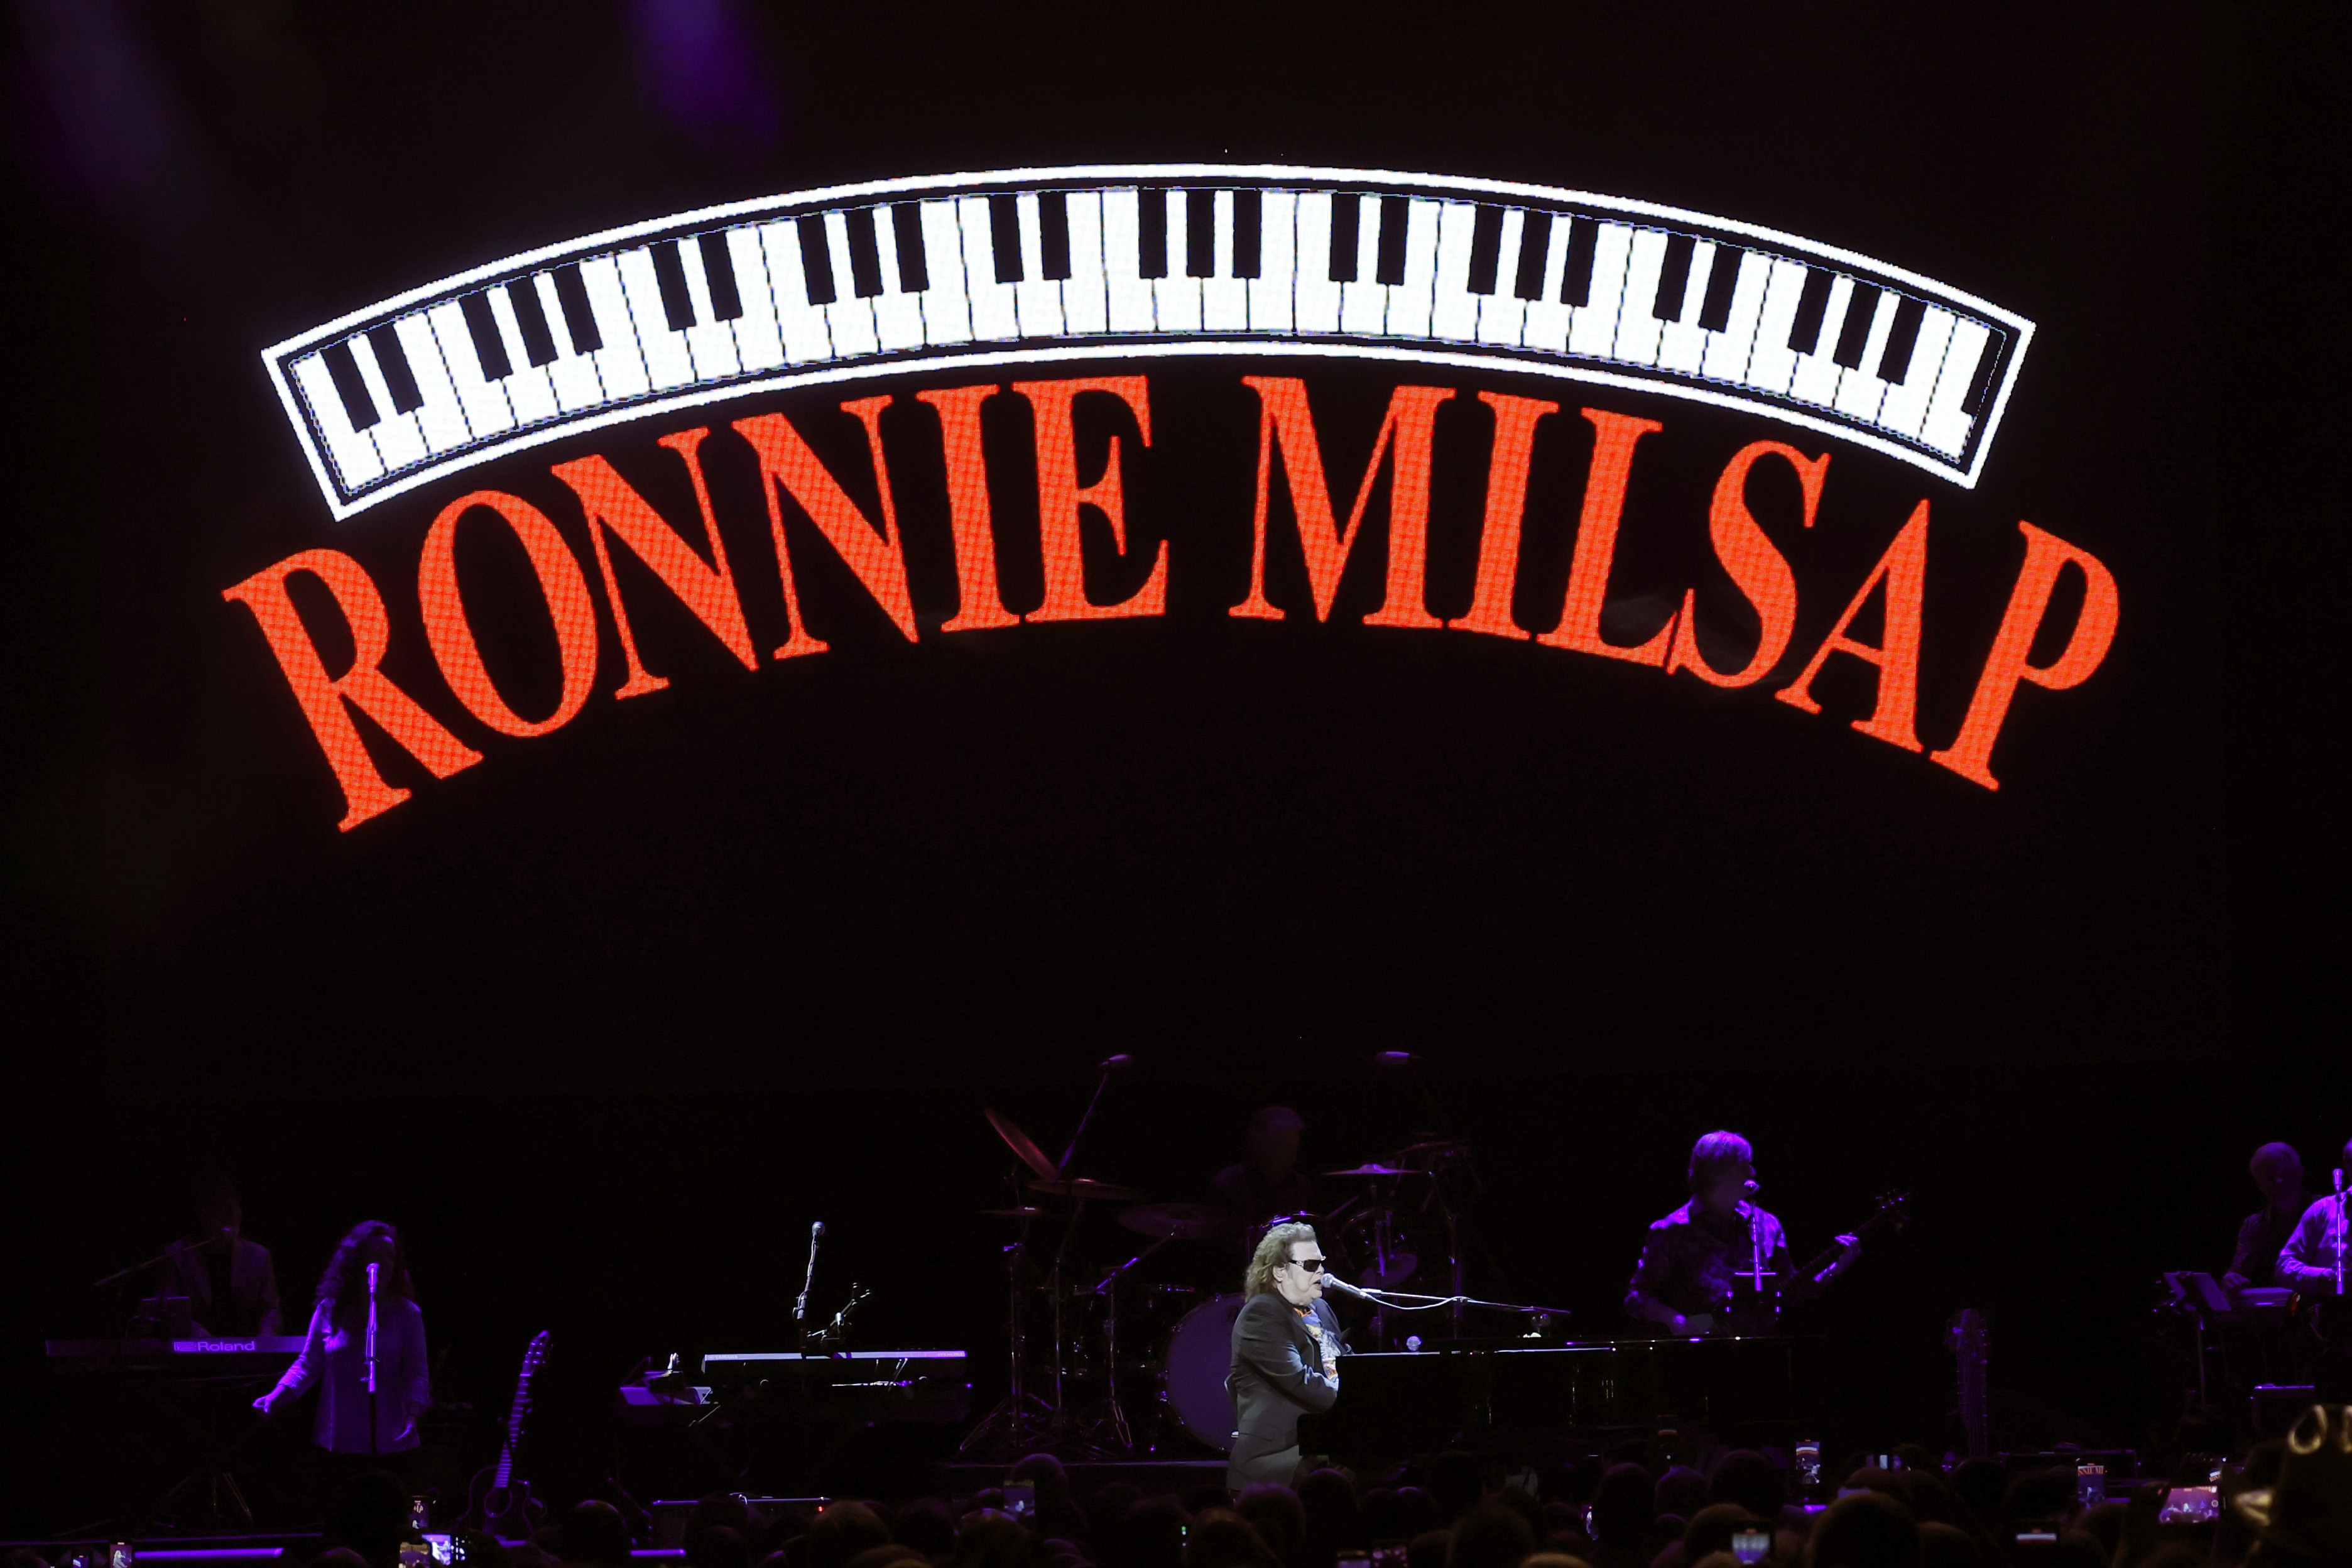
1278,1373
252,1281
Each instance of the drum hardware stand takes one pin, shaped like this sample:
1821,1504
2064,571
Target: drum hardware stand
1020,1414
1109,1291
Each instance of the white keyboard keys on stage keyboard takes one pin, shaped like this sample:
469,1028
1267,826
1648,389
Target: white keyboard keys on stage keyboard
443,357
351,453
1084,299
1272,292
1454,313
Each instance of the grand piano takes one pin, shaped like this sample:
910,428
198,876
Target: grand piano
1394,1405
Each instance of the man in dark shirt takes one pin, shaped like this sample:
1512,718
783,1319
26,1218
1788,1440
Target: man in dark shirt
2278,1176
1268,1183
1720,1263
230,1283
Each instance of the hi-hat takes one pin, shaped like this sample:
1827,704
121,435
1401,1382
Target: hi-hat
1180,1222
1086,1187
1375,1169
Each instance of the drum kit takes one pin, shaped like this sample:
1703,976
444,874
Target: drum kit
1111,1360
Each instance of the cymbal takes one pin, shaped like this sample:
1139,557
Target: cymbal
1086,1187
1028,1211
1022,1145
1376,1169
1180,1222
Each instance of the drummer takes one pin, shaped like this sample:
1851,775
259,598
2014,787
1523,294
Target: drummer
1269,1183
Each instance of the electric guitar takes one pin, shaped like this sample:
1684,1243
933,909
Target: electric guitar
1755,1303
497,1503
1893,1213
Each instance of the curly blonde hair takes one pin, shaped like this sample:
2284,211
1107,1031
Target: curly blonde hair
1273,1252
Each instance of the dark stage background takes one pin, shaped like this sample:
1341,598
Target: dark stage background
606,1020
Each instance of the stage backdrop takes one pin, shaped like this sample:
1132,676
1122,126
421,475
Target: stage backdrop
688,544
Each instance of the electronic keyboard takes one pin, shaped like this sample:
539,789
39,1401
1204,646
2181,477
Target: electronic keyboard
1039,266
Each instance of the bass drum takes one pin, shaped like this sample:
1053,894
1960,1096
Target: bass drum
1192,1372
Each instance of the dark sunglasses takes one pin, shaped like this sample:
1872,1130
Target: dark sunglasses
1311,1265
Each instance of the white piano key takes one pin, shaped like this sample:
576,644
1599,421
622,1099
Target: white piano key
1129,292
1772,363
1503,315
1681,344
1272,290
1905,404
1454,313
806,333
1637,329
1319,298
1038,298
1364,303
1946,426
1410,301
947,310
1224,299
1859,389
994,314
619,364
851,318
759,341
529,388
1817,374
667,363
1594,329
1727,350
1085,303
1548,318
573,375
711,342
398,437
449,372
1176,296
898,315
351,453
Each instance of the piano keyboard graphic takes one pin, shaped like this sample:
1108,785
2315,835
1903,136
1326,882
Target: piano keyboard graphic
1042,265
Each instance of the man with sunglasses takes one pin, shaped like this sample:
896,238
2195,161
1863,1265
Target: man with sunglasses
1285,1356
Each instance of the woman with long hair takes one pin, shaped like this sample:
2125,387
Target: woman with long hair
364,1287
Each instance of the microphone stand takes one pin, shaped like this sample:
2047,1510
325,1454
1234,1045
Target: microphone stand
374,1269
2343,1235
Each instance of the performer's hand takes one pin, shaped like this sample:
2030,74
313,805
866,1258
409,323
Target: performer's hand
1696,1324
267,1403
2233,1281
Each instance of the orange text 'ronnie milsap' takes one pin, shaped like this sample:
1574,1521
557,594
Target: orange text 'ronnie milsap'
710,586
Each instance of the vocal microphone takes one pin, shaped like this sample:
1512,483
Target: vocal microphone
1112,1064
800,1307
375,1270
1333,1282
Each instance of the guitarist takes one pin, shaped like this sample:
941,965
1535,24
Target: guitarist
1720,1264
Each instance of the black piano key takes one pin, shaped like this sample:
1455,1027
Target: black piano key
1485,249
1054,235
816,260
1853,336
669,271
1535,248
1987,365
719,272
1151,234
1812,303
907,229
538,342
1673,277
571,293
1894,363
490,349
1347,213
1576,275
345,372
1391,252
398,379
1005,236
1200,234
1722,280
1249,221
864,253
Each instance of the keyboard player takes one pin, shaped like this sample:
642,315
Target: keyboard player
230,1282
1720,1264
1286,1357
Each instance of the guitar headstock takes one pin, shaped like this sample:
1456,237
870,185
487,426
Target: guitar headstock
531,1360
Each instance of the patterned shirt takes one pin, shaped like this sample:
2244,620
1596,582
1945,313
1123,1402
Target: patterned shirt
1694,1257
2319,1244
